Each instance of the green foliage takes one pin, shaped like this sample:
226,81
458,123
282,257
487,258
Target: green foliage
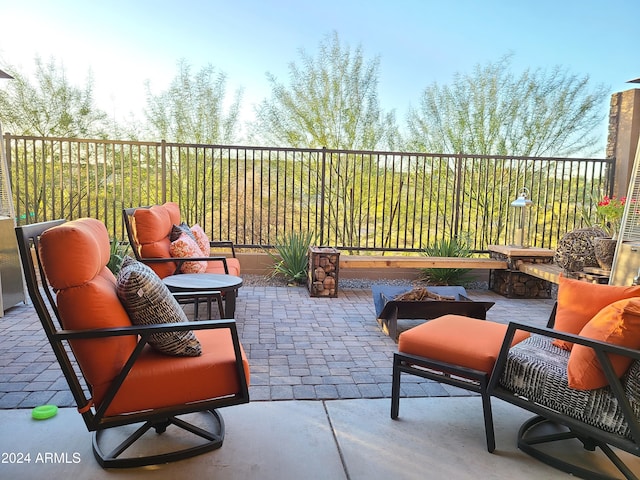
331,101
446,276
117,253
494,112
292,256
192,110
50,107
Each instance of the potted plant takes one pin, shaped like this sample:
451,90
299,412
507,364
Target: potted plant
609,211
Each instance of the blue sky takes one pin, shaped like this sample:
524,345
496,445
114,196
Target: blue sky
419,42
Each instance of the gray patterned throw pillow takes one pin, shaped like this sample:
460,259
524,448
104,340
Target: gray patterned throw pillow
148,301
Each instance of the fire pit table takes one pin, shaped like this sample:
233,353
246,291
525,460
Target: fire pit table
388,310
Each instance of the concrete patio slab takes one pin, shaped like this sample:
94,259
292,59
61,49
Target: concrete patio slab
264,440
434,438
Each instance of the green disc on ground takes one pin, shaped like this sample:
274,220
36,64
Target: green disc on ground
44,411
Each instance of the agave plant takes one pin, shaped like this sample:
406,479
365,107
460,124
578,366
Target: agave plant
446,276
118,252
292,258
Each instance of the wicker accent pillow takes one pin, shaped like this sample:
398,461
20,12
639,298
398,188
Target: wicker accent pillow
148,301
185,247
618,324
201,239
579,302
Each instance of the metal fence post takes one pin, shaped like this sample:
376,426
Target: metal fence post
457,193
163,160
322,186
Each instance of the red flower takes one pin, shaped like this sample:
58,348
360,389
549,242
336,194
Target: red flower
610,210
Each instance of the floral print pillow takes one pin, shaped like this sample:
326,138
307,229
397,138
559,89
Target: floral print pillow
186,247
201,239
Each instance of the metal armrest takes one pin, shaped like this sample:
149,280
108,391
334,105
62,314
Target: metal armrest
144,330
223,243
180,260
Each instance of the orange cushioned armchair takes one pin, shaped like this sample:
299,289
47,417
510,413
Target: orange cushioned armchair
150,235
140,360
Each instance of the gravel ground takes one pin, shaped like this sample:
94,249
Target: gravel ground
344,283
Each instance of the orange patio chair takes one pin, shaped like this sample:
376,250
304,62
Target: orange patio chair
126,349
150,232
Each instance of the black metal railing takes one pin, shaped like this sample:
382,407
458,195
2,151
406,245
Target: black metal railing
354,200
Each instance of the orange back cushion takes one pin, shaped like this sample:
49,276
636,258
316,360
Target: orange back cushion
151,224
174,212
619,324
74,257
65,252
152,227
578,302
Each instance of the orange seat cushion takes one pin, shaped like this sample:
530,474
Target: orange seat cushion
619,324
233,265
579,302
458,340
157,381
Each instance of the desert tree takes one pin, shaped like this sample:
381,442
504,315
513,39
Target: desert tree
195,109
331,100
494,111
49,105
46,105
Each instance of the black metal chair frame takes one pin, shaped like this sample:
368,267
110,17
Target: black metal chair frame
127,214
96,419
462,377
589,436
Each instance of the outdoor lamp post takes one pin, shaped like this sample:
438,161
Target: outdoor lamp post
520,221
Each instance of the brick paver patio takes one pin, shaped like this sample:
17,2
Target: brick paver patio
299,347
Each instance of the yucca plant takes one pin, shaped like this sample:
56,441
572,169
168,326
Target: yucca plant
292,259
446,276
118,252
